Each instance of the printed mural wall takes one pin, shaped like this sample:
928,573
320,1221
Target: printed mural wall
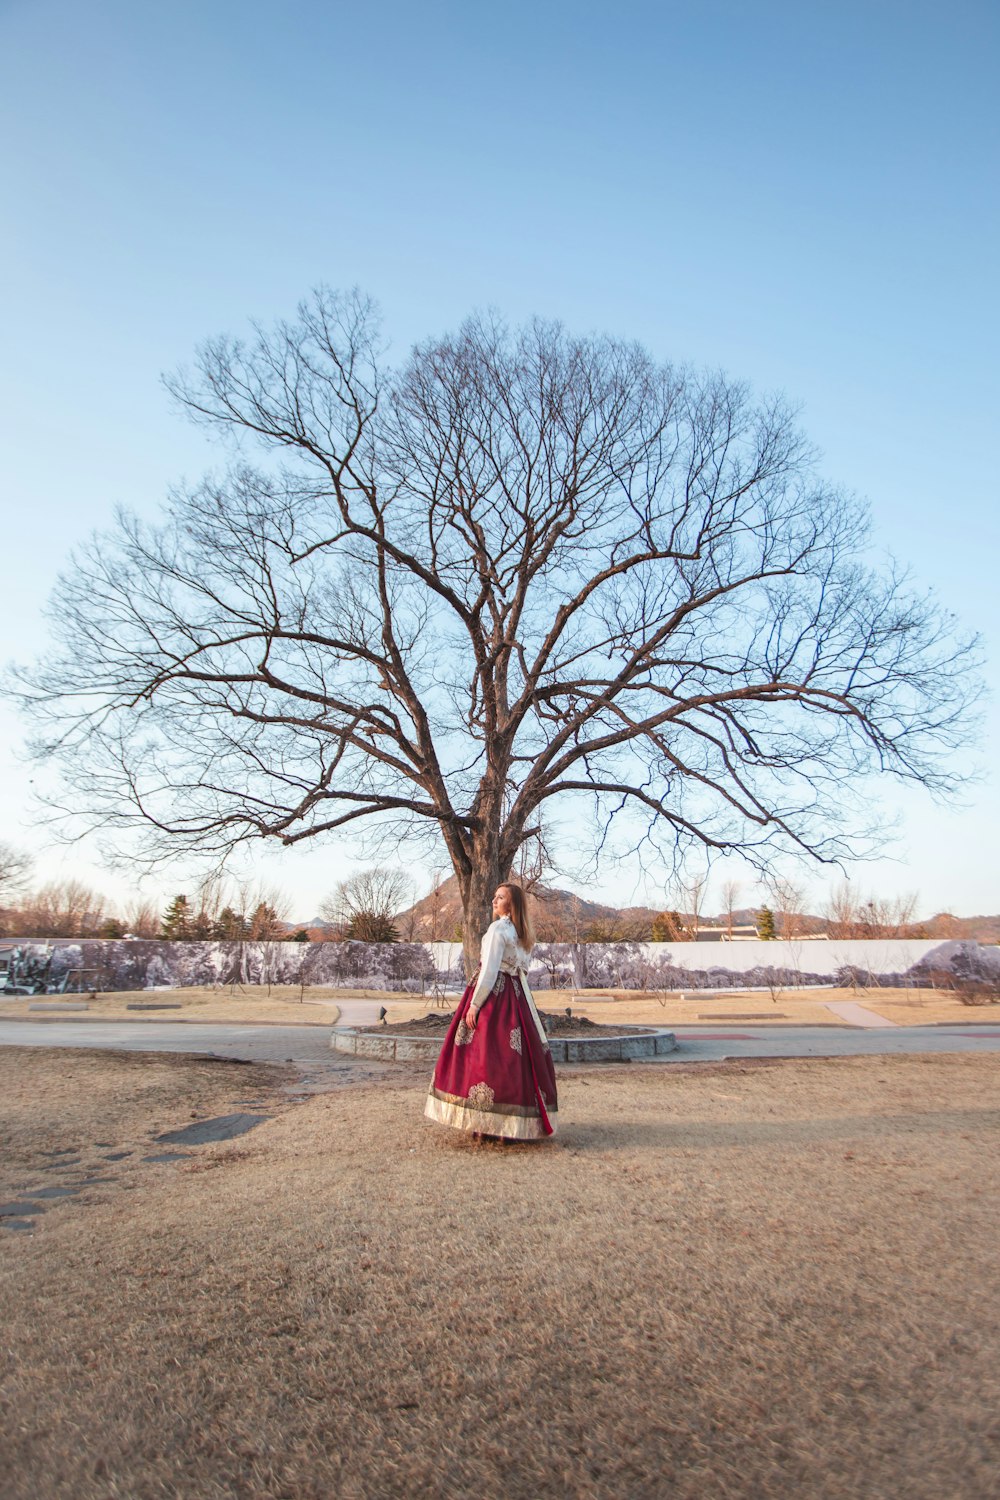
420,968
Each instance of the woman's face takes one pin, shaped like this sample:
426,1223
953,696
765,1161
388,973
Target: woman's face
501,902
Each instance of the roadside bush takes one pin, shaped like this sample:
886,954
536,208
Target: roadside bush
978,991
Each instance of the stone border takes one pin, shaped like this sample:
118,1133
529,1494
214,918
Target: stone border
56,1005
563,1049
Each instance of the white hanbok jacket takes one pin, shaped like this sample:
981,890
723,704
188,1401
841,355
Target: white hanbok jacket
502,953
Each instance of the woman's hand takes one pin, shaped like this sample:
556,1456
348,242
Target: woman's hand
470,1019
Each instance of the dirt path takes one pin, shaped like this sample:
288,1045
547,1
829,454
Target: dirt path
753,1281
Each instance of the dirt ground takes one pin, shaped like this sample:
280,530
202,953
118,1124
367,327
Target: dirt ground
717,1281
436,1023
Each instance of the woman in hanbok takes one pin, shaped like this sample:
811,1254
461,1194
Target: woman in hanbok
494,1075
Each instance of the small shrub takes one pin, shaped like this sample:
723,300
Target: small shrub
978,992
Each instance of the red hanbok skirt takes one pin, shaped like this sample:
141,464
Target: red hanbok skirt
497,1079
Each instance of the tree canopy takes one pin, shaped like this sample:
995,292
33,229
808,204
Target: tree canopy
522,575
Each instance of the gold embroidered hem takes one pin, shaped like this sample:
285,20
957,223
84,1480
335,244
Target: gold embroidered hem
508,1120
479,1104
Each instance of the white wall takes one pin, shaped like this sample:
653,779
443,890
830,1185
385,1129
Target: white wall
874,956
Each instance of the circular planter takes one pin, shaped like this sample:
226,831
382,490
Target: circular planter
389,1047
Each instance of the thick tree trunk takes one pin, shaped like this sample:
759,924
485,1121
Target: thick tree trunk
489,862
580,965
477,903
489,865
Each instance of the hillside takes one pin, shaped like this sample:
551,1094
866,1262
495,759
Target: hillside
560,916
563,917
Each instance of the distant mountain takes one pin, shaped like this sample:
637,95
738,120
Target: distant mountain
946,925
562,916
943,925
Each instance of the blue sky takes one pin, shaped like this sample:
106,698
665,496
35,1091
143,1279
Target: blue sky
805,196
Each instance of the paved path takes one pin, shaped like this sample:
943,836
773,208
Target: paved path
857,1015
697,1044
309,1046
295,1044
358,1012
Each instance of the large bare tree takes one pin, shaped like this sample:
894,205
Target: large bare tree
522,574
368,904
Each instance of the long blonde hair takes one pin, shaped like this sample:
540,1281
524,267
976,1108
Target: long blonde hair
519,914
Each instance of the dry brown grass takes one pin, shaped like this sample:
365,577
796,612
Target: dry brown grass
788,1008
82,1102
927,1007
719,1281
246,1005
286,1005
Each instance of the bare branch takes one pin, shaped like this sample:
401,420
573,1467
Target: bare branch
523,571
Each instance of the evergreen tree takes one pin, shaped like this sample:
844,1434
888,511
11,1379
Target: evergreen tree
264,924
201,927
229,928
765,925
176,926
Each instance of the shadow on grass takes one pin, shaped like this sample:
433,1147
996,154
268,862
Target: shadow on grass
710,1135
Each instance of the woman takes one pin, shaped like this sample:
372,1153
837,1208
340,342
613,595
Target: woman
494,1075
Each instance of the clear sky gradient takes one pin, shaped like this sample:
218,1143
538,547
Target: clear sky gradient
805,196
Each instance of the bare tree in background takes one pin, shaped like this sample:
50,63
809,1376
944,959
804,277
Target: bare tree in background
261,908
533,861
366,905
532,864
407,922
142,918
841,911
896,914
435,920
852,914
63,908
731,890
685,900
523,571
210,900
692,892
15,872
787,899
